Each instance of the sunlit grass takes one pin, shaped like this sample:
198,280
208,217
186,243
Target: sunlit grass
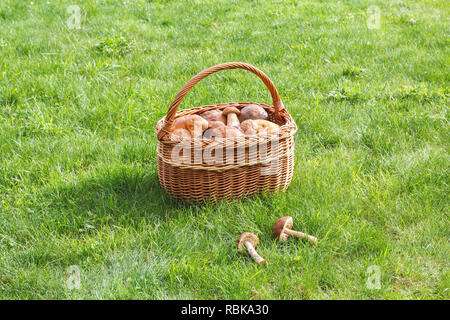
78,177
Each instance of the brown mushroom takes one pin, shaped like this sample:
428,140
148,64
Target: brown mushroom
180,134
231,113
251,127
223,132
233,132
193,123
264,125
282,230
215,129
216,124
254,112
250,241
214,115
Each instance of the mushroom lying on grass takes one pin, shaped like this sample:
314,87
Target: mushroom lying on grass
250,241
282,230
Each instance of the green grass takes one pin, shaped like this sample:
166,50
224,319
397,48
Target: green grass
78,176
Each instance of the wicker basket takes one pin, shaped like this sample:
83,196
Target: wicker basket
259,164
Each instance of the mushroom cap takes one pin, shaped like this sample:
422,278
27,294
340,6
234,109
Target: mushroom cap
201,121
214,115
265,125
180,134
215,132
249,125
253,111
216,124
233,132
223,132
246,236
229,110
193,123
280,225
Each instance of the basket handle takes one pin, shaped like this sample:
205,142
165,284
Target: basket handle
203,74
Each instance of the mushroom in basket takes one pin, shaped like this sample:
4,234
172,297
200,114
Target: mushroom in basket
218,130
251,127
232,116
253,112
214,115
193,124
180,134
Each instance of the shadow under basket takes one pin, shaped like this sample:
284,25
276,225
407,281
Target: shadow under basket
216,169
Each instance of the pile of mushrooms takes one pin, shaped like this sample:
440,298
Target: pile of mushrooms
228,123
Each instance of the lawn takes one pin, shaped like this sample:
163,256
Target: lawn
79,100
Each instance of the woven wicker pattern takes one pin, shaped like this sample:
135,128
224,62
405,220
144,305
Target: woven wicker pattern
242,167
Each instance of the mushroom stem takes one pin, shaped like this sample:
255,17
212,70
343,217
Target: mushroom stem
301,235
258,259
232,120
